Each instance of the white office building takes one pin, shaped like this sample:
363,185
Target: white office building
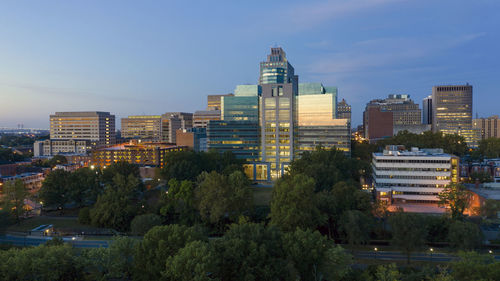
415,176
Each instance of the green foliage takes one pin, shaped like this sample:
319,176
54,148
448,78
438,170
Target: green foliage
15,140
250,252
8,156
293,203
481,177
453,144
387,273
326,167
55,189
490,209
113,263
457,198
178,203
160,243
119,204
408,232
84,216
195,262
464,235
342,197
355,227
84,186
490,148
40,263
438,228
314,257
143,223
13,194
474,266
6,219
220,197
122,168
187,165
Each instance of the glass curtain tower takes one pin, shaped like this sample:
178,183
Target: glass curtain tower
279,86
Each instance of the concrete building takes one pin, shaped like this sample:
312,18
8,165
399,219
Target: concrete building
142,154
343,110
416,176
202,117
94,126
173,121
487,127
31,180
55,147
452,111
194,138
143,127
406,116
214,101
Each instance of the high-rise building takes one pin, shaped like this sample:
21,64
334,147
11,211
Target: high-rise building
316,122
202,117
343,110
427,110
173,121
452,111
214,101
487,127
143,127
279,90
94,126
406,116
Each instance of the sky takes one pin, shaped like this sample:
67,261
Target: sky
151,57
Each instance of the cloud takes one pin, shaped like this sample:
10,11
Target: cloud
385,53
305,16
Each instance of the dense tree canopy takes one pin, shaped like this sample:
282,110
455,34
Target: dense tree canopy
12,198
490,148
293,203
55,189
453,144
408,232
178,203
457,198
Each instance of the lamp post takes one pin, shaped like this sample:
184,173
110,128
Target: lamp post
376,250
432,250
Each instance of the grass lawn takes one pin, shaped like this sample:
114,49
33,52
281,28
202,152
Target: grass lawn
60,223
262,195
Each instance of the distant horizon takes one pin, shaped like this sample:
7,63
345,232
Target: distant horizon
130,58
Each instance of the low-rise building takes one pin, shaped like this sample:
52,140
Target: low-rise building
142,154
415,176
32,181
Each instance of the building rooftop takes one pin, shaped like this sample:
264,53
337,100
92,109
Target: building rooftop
398,150
145,145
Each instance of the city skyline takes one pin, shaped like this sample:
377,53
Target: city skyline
132,59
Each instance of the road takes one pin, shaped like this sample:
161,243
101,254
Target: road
390,255
32,241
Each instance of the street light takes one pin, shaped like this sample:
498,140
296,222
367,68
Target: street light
376,250
432,250
490,251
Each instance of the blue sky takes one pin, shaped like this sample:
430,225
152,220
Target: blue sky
150,57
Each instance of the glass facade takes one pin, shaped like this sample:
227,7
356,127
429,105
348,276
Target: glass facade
240,108
239,137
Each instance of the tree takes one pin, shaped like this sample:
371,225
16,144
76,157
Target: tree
490,148
143,223
40,263
490,209
314,257
326,167
293,203
84,216
55,189
123,168
84,186
474,266
178,203
250,251
481,177
119,203
387,273
355,226
220,197
14,194
457,198
113,263
408,232
195,262
464,235
160,243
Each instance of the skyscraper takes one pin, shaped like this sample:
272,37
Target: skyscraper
487,127
452,111
143,127
427,110
343,110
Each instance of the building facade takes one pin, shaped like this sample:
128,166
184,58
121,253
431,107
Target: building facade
452,111
55,147
96,127
427,110
487,127
415,176
202,117
343,110
214,101
142,154
143,127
